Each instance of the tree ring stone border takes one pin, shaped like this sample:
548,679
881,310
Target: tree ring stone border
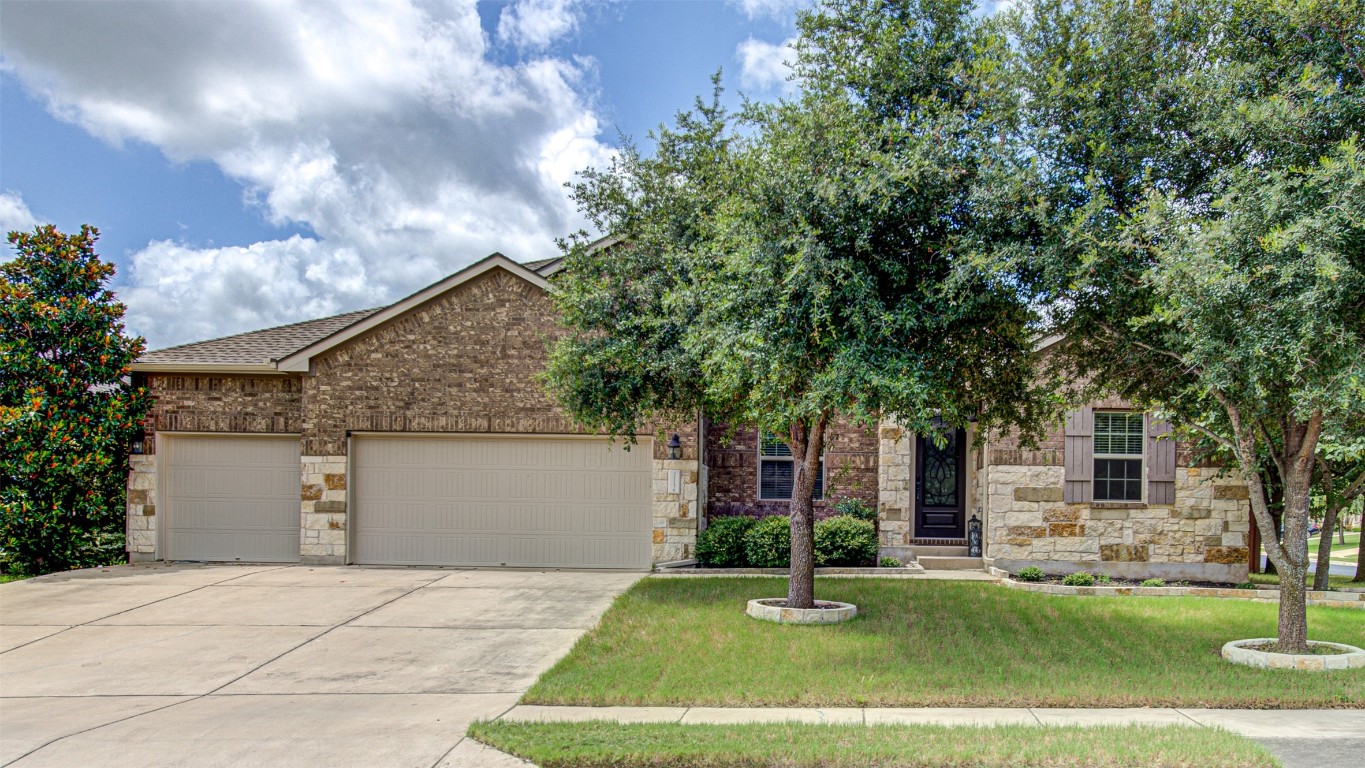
771,609
1237,653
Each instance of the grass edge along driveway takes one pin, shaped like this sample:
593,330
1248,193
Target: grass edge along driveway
687,642
791,745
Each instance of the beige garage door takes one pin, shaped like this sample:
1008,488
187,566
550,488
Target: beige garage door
554,502
230,498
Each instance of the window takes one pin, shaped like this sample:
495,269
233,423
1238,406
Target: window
775,470
1119,442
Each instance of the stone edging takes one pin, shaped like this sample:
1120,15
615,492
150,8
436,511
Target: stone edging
1237,653
758,609
907,570
1334,599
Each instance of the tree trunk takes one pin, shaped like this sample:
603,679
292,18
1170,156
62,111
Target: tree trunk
1360,552
1329,521
1289,555
806,446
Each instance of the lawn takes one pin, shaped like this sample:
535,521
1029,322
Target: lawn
1352,544
937,643
1334,581
585,745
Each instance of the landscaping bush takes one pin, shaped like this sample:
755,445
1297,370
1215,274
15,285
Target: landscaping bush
846,541
1246,585
891,562
1102,579
721,545
1031,573
856,508
1154,583
768,544
1079,579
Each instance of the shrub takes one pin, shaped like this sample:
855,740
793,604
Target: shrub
1103,578
845,540
891,562
1031,573
1246,585
768,544
1153,582
856,508
1079,579
721,545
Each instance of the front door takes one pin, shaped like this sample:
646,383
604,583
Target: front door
940,487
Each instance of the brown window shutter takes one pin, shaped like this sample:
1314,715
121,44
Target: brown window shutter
1080,455
1160,462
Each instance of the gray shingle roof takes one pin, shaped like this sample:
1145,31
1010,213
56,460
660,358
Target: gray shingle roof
256,347
538,264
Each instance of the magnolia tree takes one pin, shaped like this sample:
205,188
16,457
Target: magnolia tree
66,411
1200,189
811,259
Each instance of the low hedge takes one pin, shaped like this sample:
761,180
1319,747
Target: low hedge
845,541
721,545
768,544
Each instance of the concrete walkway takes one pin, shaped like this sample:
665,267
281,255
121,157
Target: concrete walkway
1300,738
278,666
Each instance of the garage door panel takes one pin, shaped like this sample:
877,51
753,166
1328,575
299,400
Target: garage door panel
501,501
231,498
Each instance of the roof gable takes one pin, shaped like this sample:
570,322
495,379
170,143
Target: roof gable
301,360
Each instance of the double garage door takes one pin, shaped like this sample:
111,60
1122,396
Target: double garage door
514,501
447,500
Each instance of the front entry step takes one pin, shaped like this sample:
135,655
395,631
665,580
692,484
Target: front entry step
934,557
939,563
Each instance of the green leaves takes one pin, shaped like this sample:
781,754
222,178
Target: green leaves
67,411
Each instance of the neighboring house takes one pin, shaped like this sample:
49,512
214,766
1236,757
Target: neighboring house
419,434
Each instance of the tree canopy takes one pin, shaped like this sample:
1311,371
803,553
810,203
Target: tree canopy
798,261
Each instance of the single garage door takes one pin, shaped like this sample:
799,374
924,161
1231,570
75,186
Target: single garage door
533,501
230,498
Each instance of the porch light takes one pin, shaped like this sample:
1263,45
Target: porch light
674,447
138,446
974,537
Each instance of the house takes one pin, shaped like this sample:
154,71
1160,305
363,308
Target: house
418,434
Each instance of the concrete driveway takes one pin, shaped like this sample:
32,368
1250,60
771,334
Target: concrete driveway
237,665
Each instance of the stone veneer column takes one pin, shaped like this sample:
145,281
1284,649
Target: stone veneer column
141,508
675,513
894,469
323,534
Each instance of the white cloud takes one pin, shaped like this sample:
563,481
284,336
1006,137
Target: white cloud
14,214
765,65
775,9
535,24
385,128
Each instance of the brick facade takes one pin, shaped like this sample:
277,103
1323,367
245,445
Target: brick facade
732,470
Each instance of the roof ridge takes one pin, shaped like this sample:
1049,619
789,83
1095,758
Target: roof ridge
369,311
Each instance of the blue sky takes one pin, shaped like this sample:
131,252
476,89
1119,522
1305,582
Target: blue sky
254,164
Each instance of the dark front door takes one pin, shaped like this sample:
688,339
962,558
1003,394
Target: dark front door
940,487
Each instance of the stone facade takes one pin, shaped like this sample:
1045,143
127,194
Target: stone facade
1202,536
851,469
142,500
322,535
896,484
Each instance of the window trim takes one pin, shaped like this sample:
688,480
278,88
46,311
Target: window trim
789,458
1140,457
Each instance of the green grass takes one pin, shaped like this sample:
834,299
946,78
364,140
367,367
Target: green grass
1352,544
599,744
1333,580
937,643
5,578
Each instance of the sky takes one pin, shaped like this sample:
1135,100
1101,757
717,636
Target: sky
251,163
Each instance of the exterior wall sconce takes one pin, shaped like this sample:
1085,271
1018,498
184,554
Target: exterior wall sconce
138,446
674,447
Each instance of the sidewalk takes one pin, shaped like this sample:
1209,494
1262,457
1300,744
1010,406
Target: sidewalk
1256,723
